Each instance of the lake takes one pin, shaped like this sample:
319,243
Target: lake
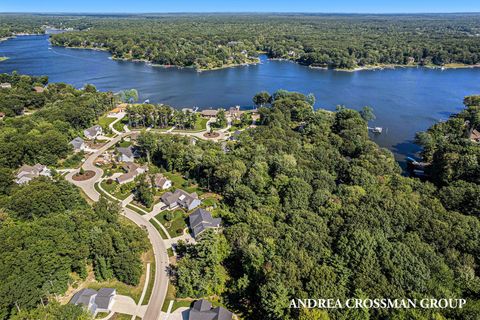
405,100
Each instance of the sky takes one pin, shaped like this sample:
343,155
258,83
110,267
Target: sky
150,6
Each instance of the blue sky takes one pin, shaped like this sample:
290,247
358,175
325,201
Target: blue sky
340,6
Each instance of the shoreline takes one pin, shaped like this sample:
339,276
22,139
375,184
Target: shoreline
258,61
165,66
401,66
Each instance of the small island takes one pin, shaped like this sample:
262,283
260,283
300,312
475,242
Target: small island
3,59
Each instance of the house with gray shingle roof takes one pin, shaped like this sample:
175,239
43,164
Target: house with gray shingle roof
78,144
95,301
93,132
125,154
201,220
180,198
202,310
26,173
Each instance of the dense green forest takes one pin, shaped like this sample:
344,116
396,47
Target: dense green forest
314,209
333,41
455,159
47,230
50,118
219,40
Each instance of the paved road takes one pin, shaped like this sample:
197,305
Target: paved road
160,285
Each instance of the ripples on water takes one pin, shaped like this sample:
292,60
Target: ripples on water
405,100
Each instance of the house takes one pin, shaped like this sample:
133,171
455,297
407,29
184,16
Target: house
180,198
235,112
475,136
160,182
78,144
93,132
125,154
202,310
119,109
26,173
209,113
38,89
95,301
5,85
188,110
201,220
133,170
2,115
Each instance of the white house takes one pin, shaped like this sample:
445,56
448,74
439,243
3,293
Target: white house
161,182
26,173
125,154
93,132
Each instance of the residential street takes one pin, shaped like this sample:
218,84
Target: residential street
159,249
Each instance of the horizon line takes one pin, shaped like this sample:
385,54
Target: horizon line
234,12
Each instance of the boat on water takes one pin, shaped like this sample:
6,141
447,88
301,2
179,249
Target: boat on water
376,129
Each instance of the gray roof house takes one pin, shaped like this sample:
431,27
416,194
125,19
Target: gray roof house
78,144
180,198
93,132
26,173
126,154
202,310
95,301
5,85
201,220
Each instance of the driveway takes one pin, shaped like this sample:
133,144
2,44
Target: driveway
124,304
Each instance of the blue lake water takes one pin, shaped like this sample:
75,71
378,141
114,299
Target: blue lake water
404,100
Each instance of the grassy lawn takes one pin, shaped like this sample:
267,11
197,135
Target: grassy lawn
174,225
200,125
124,144
119,191
141,206
160,230
105,121
122,288
101,315
181,303
210,201
72,161
150,258
180,182
129,206
119,316
119,125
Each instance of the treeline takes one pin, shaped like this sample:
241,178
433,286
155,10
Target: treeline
332,41
51,118
47,233
314,208
454,158
14,24
160,116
